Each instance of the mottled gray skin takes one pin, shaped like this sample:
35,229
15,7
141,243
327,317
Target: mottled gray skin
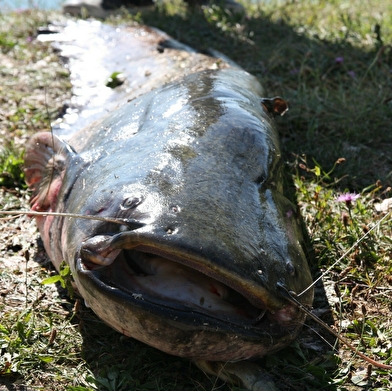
196,168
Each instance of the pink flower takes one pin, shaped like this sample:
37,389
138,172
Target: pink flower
339,60
348,198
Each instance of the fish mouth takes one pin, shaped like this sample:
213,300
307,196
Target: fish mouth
181,286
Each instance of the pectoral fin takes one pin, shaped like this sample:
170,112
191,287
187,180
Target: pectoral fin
45,161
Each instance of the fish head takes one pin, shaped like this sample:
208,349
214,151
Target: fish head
199,291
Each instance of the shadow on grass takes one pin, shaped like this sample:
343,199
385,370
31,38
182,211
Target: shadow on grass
339,95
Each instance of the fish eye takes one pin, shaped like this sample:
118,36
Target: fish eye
131,202
290,268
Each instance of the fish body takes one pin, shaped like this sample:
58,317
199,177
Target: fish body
193,171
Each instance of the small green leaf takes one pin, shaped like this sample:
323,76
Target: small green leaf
51,280
4,330
316,171
115,80
64,270
46,359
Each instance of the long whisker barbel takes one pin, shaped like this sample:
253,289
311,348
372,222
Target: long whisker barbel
344,255
16,213
292,298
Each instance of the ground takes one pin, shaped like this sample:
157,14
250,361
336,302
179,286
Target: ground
332,62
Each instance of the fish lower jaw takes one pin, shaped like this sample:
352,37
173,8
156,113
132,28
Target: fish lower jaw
182,294
181,329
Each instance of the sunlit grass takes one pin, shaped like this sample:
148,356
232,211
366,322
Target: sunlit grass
332,61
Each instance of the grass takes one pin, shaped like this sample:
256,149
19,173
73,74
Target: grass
332,61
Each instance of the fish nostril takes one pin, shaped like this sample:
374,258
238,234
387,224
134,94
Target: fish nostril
170,230
175,209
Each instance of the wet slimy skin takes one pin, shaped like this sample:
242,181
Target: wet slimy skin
196,164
